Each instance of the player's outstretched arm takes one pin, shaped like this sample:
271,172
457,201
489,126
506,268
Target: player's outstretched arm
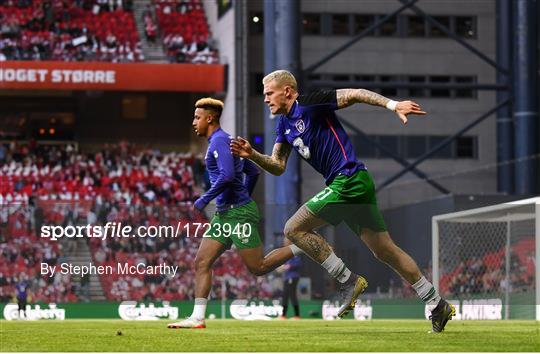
347,97
274,164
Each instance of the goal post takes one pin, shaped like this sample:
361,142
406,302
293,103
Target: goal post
490,257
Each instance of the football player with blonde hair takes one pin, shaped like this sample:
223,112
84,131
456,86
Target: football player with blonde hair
308,124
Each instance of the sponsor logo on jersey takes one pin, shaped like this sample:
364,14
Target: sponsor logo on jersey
216,154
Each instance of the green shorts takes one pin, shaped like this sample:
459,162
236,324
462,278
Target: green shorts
238,226
349,199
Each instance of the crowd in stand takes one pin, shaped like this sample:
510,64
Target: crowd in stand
229,269
197,52
116,172
69,30
21,254
57,185
102,30
185,31
485,274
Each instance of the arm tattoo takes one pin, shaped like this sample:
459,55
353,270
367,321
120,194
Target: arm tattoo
276,163
347,97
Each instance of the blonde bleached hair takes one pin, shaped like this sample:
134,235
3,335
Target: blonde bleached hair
211,104
282,78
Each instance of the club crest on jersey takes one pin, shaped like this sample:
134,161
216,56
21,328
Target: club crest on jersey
300,126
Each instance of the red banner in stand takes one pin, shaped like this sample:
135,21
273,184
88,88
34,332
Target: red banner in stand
51,75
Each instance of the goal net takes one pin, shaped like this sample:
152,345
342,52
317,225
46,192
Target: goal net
486,260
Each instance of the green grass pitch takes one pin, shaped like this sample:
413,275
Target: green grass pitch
270,336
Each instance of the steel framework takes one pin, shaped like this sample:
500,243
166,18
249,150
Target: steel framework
525,87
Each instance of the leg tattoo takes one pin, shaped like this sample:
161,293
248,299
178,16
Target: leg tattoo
314,245
300,230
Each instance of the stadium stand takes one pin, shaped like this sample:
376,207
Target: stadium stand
186,36
101,30
485,274
116,172
229,269
69,31
57,185
22,251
